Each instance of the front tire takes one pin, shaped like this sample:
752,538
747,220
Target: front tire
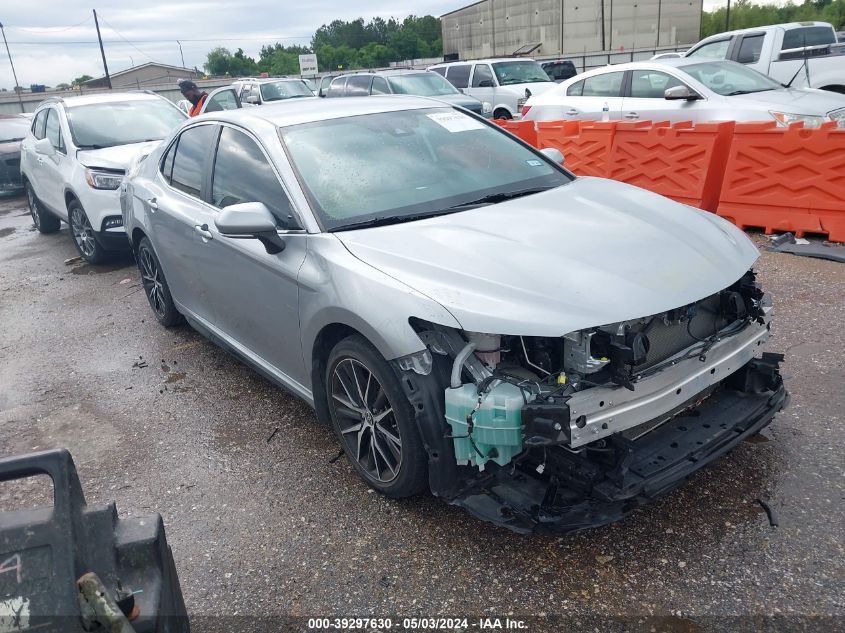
502,115
43,220
83,235
155,286
373,419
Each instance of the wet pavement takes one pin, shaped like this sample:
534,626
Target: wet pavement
162,420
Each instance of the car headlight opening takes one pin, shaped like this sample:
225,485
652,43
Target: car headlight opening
102,179
786,118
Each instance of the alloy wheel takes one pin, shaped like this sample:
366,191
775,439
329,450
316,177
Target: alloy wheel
83,234
151,280
33,206
366,419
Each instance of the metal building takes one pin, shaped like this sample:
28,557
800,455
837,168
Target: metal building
491,28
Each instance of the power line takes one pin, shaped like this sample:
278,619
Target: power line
125,40
181,39
49,29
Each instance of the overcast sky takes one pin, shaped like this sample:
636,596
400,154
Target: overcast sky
54,41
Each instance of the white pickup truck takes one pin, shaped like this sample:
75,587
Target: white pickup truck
780,51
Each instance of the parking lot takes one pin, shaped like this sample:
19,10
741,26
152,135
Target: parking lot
264,519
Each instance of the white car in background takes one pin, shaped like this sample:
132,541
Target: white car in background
260,91
686,89
505,83
75,156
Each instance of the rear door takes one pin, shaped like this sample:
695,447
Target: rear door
586,99
30,163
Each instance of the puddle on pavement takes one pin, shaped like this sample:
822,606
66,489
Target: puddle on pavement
97,269
5,232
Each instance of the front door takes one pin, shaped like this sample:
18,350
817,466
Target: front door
255,294
54,170
648,103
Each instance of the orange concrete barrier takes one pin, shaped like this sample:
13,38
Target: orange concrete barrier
786,179
684,162
522,129
585,145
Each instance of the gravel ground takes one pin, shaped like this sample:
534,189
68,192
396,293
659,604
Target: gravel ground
164,421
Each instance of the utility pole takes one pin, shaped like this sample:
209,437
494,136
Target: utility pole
102,50
14,74
181,53
602,27
728,17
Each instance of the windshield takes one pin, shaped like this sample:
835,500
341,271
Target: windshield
13,129
519,72
407,164
279,90
122,122
422,84
728,78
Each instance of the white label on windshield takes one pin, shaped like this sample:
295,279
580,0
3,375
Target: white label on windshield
455,121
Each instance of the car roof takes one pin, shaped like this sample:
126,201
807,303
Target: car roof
311,109
108,97
651,64
265,80
395,72
491,60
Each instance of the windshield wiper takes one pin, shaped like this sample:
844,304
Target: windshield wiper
747,92
390,219
93,146
493,198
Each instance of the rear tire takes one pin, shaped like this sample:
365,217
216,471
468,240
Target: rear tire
82,234
374,420
155,286
43,220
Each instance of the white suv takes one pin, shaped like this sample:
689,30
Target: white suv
506,83
74,158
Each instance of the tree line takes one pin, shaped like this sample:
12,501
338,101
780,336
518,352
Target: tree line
339,45
745,14
342,45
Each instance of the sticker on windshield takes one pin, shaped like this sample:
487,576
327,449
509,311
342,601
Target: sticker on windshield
534,163
455,121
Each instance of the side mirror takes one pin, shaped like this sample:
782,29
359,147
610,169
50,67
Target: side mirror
252,99
680,93
250,220
44,147
485,83
555,155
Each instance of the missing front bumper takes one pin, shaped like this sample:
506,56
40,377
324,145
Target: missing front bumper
586,493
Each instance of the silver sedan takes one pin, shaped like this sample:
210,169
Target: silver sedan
686,89
470,317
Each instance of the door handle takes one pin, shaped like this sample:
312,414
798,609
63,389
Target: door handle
204,232
40,160
152,204
632,115
572,112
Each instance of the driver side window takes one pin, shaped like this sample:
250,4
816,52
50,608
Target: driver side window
242,173
482,74
224,100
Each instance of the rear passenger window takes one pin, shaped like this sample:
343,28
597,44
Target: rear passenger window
38,124
380,86
576,89
604,85
459,75
167,162
808,36
189,164
336,87
749,49
358,86
440,71
242,173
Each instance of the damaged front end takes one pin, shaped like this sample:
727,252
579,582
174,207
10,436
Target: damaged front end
577,431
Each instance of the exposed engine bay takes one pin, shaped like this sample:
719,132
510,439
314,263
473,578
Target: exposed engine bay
542,423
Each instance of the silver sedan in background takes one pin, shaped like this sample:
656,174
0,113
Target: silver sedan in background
686,89
470,317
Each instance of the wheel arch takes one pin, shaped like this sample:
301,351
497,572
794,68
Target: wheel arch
329,336
835,88
69,197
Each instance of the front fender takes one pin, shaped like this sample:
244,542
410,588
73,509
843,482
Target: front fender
337,288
